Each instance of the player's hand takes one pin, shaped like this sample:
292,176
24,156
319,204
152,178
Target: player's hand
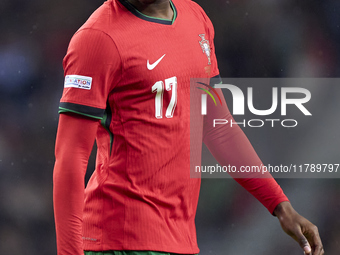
299,228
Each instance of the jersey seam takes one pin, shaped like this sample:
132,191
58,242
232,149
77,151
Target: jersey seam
126,167
103,208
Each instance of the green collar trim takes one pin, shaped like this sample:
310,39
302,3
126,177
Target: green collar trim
137,13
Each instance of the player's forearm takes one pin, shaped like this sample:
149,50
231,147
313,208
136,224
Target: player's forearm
237,151
74,142
230,146
68,197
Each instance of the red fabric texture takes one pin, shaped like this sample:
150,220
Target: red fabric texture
75,139
230,146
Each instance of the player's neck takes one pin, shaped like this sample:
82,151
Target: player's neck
154,8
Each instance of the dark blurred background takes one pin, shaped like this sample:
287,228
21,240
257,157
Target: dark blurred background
263,38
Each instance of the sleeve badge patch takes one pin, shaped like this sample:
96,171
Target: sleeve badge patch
78,81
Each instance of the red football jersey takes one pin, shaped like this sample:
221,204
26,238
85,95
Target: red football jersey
133,72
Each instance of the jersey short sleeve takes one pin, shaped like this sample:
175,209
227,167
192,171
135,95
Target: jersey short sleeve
92,67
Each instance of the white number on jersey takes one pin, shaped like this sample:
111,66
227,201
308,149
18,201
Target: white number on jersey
158,88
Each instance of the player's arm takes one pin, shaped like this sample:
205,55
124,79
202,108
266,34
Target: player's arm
74,142
229,145
92,68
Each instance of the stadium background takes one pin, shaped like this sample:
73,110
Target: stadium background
263,38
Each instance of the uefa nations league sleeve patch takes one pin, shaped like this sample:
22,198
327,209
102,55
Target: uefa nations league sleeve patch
78,81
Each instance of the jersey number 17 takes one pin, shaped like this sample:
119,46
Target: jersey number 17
158,88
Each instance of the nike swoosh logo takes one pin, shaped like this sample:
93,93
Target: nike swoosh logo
150,67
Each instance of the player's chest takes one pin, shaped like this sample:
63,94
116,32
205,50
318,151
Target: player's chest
158,54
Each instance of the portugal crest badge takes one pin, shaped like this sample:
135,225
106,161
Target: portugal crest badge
205,47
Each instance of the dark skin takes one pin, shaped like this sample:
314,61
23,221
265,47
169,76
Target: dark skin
154,8
296,226
299,228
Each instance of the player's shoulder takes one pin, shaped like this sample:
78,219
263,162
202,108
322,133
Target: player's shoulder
191,4
99,19
95,35
108,18
195,9
192,7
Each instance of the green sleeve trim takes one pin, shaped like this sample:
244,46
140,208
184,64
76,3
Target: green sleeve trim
63,110
89,111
